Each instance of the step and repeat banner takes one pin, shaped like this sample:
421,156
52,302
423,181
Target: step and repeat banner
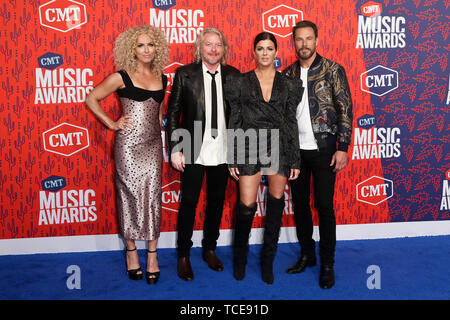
56,164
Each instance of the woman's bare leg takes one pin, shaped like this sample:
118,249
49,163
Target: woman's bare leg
152,258
132,257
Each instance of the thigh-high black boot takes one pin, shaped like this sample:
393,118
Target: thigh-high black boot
243,226
274,213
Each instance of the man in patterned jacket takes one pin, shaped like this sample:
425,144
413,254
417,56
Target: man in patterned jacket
324,119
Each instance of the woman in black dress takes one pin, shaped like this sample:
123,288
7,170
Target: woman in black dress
263,104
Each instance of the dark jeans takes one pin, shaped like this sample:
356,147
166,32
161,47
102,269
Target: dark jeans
317,164
191,185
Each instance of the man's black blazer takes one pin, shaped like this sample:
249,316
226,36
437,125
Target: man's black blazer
187,103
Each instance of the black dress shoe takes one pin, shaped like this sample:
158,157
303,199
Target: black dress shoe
185,269
301,264
213,262
326,278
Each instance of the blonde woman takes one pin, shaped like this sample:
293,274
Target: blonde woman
141,53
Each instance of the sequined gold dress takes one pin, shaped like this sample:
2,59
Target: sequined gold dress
138,162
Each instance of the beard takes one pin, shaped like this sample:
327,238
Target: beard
305,55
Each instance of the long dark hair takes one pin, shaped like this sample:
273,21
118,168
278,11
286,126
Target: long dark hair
265,36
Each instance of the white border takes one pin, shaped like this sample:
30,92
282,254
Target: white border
168,239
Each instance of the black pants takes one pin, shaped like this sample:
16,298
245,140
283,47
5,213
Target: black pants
317,164
191,185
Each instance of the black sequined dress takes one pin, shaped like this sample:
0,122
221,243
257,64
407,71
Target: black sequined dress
273,122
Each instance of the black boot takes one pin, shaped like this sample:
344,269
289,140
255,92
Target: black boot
243,226
274,213
326,278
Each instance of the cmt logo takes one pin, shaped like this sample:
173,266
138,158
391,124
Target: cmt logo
54,183
164,4
379,80
62,15
374,190
66,139
281,19
171,196
277,63
50,61
371,9
170,71
367,121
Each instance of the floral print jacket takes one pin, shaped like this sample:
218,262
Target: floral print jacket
330,102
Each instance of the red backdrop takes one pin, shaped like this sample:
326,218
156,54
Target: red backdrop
56,165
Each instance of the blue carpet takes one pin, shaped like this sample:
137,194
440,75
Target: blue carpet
409,269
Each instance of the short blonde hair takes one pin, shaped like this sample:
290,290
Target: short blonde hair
124,50
199,40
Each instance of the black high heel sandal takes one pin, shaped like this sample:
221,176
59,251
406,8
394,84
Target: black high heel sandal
152,277
133,273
